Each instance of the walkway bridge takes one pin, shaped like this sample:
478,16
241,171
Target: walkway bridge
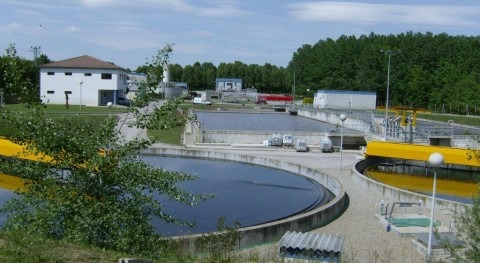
416,152
402,126
10,149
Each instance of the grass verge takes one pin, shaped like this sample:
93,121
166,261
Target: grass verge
458,119
20,247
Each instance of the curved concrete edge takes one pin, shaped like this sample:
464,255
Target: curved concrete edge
271,231
400,195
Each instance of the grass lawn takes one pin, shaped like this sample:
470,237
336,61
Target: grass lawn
73,109
171,136
20,247
458,119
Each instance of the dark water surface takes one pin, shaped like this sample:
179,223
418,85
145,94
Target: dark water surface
248,194
240,121
245,193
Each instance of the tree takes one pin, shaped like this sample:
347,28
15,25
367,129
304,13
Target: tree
467,223
176,73
89,186
468,227
19,78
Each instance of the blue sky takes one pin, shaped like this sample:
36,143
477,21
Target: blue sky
127,32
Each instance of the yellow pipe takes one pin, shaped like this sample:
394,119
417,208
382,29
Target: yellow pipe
420,152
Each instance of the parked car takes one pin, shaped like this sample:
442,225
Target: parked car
301,145
326,146
124,102
277,140
287,140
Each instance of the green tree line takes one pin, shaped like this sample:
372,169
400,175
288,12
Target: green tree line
438,72
425,69
19,77
201,76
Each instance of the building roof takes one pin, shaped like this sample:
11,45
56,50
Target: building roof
317,244
84,61
347,92
307,241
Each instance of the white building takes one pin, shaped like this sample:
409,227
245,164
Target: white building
348,99
82,80
228,85
135,81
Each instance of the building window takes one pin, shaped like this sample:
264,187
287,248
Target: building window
68,73
106,75
50,92
87,74
50,73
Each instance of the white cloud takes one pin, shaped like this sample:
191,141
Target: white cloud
98,3
177,5
72,30
348,12
221,10
217,9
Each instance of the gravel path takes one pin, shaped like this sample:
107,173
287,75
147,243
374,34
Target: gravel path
366,239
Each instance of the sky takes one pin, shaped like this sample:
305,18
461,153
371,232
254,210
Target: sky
129,32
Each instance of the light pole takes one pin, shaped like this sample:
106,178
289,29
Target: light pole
389,53
109,105
81,83
435,160
342,117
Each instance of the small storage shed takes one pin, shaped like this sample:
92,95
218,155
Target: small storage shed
362,100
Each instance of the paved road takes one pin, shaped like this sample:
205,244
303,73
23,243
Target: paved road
125,119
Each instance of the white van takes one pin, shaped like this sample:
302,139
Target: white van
198,100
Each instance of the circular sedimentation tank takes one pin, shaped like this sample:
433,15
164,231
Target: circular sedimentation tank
248,194
453,184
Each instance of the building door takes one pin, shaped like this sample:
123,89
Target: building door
106,96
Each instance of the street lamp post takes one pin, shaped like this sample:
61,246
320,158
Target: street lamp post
435,160
342,117
109,105
81,84
389,53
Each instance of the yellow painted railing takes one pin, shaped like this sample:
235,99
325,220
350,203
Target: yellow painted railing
11,149
420,152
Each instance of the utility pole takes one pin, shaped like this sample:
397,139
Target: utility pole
36,52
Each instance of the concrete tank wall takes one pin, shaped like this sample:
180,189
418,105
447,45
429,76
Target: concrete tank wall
399,194
272,231
252,137
351,122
